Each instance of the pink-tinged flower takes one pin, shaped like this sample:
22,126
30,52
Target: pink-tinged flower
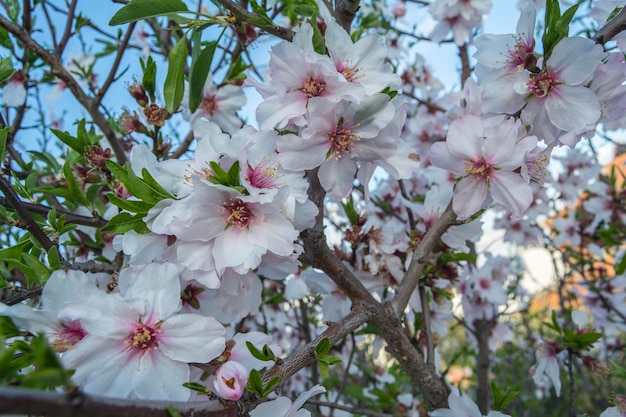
458,16
14,92
547,365
462,406
510,52
137,337
339,136
283,407
485,157
219,105
362,62
290,87
62,289
230,380
224,218
556,100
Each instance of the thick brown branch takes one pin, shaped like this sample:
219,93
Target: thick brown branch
423,375
345,12
418,262
611,28
57,69
27,401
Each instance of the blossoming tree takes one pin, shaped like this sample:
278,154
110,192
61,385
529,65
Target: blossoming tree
168,249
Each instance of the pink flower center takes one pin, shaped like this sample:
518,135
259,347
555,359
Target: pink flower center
209,104
143,337
239,214
342,140
522,54
68,336
479,168
262,176
348,73
313,87
541,84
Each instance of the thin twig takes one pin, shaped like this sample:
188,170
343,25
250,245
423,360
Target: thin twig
30,223
58,70
70,218
121,48
418,261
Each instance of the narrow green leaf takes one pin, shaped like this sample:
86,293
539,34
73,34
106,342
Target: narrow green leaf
134,206
4,133
323,347
125,222
69,140
149,77
74,188
172,411
54,260
6,68
175,81
200,67
41,271
144,9
195,386
152,183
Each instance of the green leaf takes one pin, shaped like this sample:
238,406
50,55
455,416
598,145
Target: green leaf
41,271
200,67
6,69
144,9
501,400
70,140
54,260
255,383
195,386
172,411
353,215
8,328
323,347
175,81
149,77
153,184
125,222
74,188
270,385
134,206
265,355
4,133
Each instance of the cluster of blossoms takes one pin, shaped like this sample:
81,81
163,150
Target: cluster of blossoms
460,17
337,105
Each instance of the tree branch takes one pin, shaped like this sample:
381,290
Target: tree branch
121,48
305,355
30,223
611,28
345,12
52,404
418,261
69,217
58,70
244,15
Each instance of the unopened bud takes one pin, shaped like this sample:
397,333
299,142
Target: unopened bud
138,92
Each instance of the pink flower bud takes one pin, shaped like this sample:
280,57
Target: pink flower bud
231,380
